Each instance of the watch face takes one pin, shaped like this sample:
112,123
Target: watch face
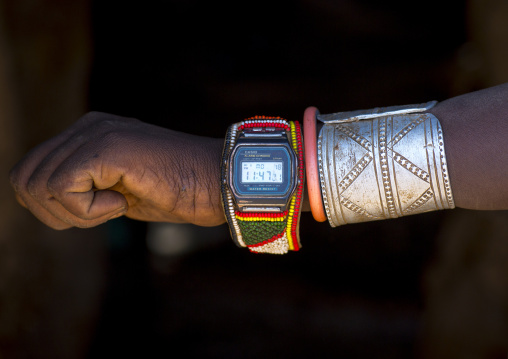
262,171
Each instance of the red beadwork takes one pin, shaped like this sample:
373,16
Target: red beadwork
261,215
298,198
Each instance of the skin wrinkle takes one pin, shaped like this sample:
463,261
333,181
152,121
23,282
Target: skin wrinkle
164,159
209,186
160,180
197,188
89,207
101,173
143,174
172,210
50,157
196,182
187,182
77,221
86,215
183,173
214,167
172,181
164,177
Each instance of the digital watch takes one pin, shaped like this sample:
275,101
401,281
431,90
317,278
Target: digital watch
262,183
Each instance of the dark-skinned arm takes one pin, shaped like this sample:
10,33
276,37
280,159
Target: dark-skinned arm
475,129
105,166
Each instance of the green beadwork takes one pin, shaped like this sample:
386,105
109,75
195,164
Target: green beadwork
254,232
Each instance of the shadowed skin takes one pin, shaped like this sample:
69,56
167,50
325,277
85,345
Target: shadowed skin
106,166
475,130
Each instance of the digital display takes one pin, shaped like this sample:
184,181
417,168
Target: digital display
262,172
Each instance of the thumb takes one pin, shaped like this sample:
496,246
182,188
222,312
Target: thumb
94,205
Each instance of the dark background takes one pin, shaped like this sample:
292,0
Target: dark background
404,288
198,66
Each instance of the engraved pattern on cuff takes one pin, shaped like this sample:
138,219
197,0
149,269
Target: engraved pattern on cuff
384,166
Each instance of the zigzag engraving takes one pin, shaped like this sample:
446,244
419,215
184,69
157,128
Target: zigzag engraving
411,167
355,137
358,210
400,135
420,201
355,172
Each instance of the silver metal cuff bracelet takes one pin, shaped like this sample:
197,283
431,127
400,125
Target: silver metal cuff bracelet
382,163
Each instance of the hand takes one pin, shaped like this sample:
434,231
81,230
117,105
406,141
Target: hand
106,166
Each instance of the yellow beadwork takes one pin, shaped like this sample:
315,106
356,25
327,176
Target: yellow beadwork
290,223
293,136
293,200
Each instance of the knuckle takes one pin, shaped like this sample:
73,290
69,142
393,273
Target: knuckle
107,133
110,134
103,119
91,117
33,187
55,185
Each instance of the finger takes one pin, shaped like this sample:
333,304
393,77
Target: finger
83,210
20,200
67,220
25,167
74,186
37,195
45,217
20,174
19,178
91,205
62,184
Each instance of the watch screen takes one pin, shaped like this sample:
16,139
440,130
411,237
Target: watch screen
262,172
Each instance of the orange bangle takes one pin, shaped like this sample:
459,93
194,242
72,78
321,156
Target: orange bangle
311,165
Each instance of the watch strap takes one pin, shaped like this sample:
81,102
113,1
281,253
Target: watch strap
264,232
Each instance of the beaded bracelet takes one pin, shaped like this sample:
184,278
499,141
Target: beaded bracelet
263,232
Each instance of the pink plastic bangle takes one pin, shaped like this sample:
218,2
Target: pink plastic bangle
311,165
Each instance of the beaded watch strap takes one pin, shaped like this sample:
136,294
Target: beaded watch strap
261,232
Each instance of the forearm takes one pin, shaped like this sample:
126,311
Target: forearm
475,129
105,166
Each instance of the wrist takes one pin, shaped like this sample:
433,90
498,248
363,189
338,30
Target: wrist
188,168
207,203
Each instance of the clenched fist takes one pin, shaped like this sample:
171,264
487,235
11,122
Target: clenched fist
106,166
